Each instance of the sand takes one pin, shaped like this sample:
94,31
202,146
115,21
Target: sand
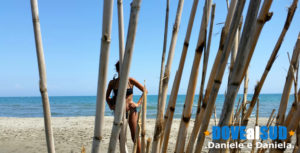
26,135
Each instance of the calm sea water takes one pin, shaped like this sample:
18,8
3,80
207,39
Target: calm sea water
85,105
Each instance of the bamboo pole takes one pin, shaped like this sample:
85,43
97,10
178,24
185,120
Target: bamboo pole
293,109
148,145
250,31
123,143
163,57
187,110
144,112
102,74
137,133
214,87
43,76
200,111
161,102
297,144
173,97
195,131
246,81
270,63
125,67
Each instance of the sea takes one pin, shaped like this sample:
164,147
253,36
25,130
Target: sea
72,106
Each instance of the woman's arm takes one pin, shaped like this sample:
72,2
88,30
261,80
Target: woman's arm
107,96
139,86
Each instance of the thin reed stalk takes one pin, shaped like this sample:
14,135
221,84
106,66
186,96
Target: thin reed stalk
245,95
125,67
270,62
144,112
102,74
217,74
43,76
172,101
195,131
293,109
137,133
163,93
187,110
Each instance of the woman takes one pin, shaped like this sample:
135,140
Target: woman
131,106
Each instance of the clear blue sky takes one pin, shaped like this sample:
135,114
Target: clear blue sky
71,31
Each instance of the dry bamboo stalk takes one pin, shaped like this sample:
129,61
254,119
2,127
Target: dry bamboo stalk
43,76
102,76
163,57
144,112
137,133
161,102
195,131
148,145
187,110
135,7
123,143
288,84
269,65
200,111
251,32
172,101
215,112
297,144
219,74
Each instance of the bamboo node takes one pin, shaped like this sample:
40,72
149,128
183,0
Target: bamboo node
186,44
36,19
106,38
116,123
172,109
186,119
98,138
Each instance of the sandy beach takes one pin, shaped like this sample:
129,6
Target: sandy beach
26,135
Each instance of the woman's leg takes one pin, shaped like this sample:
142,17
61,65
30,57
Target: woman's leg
133,125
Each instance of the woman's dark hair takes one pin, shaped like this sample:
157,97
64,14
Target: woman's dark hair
117,65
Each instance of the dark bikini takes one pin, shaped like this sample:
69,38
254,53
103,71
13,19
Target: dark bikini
129,92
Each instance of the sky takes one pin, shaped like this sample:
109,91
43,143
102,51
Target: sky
71,33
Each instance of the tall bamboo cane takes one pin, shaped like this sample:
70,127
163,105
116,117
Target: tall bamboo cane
161,102
163,58
256,124
102,77
219,73
123,145
195,131
135,7
43,76
144,112
250,32
293,109
148,145
187,110
270,62
172,101
200,113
